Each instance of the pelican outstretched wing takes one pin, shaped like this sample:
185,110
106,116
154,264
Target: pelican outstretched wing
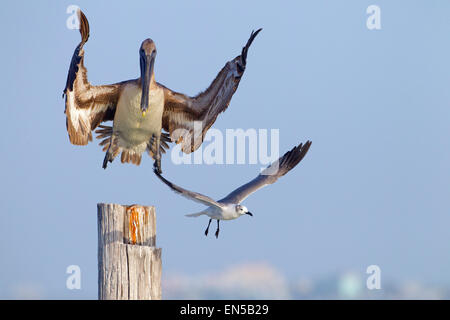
86,105
188,118
270,175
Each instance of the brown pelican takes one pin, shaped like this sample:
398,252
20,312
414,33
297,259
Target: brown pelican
142,107
230,207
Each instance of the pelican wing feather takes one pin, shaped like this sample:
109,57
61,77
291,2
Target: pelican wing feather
187,119
86,105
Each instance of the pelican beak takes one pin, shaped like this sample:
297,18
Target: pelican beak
147,62
249,213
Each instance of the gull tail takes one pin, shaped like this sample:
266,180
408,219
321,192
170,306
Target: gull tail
193,215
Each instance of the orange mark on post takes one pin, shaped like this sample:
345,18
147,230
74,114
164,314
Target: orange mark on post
146,216
133,225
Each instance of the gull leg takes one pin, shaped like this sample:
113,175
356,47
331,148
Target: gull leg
207,229
218,229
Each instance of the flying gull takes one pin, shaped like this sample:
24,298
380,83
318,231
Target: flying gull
229,208
141,108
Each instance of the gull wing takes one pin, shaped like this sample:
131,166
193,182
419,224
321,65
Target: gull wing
269,175
198,197
181,111
86,105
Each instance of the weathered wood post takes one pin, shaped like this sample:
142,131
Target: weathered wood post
129,264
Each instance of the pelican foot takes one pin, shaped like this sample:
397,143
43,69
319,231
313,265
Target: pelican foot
157,166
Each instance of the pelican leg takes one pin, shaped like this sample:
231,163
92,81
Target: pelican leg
157,164
105,161
218,229
207,228
108,157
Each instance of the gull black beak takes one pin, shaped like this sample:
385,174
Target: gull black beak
147,62
249,213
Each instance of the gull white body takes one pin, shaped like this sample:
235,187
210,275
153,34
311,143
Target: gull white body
227,212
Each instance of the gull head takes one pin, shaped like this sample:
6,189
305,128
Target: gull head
241,210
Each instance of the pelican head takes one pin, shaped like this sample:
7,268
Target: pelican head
243,210
147,54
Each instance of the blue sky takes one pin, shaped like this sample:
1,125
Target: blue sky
374,188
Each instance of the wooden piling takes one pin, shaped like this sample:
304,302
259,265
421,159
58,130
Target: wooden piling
129,264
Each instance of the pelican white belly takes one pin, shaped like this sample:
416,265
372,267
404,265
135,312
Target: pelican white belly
132,128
